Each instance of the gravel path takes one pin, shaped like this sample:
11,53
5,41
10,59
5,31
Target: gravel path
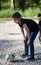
11,42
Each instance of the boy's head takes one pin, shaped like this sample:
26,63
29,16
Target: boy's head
17,17
39,16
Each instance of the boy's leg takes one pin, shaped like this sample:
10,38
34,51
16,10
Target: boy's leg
25,48
32,37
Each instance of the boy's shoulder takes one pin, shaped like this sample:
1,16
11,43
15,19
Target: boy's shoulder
24,19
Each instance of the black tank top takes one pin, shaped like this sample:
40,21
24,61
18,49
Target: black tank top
32,25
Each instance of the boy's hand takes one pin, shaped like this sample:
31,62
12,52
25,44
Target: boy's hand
24,39
28,42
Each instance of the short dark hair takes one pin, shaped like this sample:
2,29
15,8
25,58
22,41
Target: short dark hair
39,15
16,15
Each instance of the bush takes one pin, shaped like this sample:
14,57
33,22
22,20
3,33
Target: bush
29,12
5,5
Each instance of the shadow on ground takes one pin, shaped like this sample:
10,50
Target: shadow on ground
6,44
19,60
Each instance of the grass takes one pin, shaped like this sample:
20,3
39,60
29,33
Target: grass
29,12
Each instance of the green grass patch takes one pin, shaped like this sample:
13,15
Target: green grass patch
29,12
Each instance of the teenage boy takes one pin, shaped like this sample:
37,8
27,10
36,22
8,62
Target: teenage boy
31,28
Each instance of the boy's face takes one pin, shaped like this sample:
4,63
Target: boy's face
17,20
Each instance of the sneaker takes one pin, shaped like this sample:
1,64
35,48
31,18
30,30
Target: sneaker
24,55
31,58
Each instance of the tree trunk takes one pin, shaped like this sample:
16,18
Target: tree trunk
0,4
29,2
12,4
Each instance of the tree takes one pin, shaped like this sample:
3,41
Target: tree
13,4
21,4
0,4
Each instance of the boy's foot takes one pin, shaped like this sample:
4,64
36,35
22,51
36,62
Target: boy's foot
31,58
24,55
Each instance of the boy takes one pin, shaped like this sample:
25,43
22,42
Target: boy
31,29
39,16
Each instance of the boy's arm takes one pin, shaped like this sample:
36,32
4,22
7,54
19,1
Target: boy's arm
23,33
28,32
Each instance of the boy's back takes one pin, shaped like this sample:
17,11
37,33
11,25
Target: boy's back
32,25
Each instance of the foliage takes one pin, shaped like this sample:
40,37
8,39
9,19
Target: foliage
29,12
25,7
